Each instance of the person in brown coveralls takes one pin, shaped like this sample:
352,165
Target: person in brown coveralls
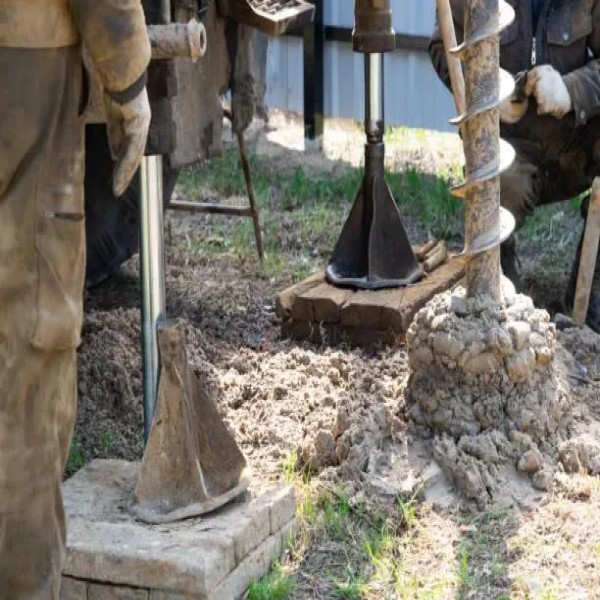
555,128
43,95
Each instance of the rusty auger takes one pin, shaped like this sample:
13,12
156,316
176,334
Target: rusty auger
485,87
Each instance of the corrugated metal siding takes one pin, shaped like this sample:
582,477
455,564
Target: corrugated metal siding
414,96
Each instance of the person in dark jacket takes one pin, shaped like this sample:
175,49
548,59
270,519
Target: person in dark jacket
556,130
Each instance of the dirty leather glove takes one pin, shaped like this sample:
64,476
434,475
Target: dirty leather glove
550,91
127,126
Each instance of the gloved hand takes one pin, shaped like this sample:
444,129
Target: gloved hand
550,91
512,111
127,125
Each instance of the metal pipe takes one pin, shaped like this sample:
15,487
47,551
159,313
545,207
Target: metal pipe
374,99
184,40
152,266
152,279
208,208
165,11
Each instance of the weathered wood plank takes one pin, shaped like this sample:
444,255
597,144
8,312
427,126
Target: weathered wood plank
322,313
285,300
321,303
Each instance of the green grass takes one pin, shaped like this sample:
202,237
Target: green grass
366,543
482,555
302,213
76,459
107,440
274,586
353,588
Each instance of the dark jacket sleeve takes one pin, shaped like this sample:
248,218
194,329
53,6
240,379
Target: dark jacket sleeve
584,83
437,53
115,37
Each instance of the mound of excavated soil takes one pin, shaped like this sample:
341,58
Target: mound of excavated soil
344,413
488,388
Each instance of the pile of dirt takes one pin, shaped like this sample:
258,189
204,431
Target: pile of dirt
334,410
344,414
109,412
487,387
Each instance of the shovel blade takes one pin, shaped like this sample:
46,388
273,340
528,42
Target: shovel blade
192,464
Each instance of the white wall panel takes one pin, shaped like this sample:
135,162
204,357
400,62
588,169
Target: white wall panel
414,96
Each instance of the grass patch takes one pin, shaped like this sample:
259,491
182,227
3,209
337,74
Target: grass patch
482,555
274,586
366,545
302,212
76,459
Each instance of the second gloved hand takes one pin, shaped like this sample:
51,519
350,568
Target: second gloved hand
546,84
127,125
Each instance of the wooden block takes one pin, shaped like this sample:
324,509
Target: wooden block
367,309
321,303
316,311
334,334
285,300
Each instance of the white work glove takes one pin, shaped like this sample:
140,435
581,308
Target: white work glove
550,91
511,111
127,132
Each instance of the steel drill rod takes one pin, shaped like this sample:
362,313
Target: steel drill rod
374,99
152,279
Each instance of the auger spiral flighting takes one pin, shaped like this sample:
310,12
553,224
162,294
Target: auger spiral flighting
485,86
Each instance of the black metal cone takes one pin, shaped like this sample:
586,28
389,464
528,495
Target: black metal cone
373,250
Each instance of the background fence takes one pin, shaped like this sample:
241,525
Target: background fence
414,96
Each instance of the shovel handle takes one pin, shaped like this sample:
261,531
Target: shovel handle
589,254
457,80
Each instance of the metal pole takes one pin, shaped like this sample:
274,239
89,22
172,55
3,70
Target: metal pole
374,102
152,278
152,265
314,44
165,11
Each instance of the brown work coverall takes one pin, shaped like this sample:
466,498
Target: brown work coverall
556,158
42,258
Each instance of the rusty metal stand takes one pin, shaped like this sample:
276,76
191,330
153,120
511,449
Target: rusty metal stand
373,250
232,211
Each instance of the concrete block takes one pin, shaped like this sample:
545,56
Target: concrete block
97,591
138,556
72,589
251,528
288,533
282,507
250,569
188,560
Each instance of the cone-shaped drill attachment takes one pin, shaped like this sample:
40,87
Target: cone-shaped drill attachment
373,250
192,465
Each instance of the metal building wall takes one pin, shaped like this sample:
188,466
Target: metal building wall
414,96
